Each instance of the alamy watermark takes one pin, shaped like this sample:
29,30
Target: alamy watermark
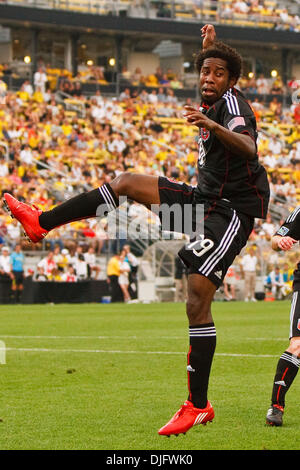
159,222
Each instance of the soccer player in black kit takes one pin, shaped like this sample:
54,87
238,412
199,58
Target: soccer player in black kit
232,188
289,362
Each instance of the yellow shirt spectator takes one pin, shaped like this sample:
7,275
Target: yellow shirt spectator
113,266
38,97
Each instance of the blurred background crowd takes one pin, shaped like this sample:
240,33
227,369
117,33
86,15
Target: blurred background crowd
51,149
63,132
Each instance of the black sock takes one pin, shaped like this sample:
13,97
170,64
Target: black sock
91,204
287,368
200,356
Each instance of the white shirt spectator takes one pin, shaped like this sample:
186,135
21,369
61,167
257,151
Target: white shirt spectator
270,161
81,268
98,112
3,168
90,258
28,88
241,7
47,264
40,79
275,146
26,155
117,145
14,133
98,98
249,263
14,231
262,85
268,228
152,98
5,262
124,276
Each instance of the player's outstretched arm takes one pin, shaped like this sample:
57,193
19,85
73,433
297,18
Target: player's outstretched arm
239,144
282,243
209,36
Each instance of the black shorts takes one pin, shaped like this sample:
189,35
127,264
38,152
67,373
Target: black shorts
19,278
295,315
217,235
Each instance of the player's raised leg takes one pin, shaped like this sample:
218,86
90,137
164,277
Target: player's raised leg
98,202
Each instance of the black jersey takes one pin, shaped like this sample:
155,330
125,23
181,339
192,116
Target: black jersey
224,175
291,228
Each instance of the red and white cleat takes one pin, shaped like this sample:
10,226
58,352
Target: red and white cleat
187,417
27,216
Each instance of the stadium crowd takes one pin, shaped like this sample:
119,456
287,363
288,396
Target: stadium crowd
160,81
271,14
52,149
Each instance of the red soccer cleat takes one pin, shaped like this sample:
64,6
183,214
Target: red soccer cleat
28,216
187,417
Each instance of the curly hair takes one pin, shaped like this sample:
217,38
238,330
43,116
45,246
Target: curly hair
221,51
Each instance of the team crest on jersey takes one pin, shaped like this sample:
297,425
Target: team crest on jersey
204,134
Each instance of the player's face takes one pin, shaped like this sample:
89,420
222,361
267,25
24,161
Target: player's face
214,79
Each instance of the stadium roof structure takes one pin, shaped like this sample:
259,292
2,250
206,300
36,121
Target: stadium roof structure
74,21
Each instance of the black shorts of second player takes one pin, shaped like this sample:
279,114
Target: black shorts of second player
18,277
216,240
295,315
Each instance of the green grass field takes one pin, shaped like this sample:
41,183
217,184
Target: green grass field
109,376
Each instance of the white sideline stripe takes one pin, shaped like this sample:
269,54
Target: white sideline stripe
85,337
103,351
120,337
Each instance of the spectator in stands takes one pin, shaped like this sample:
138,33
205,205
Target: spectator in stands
267,228
3,92
161,97
171,98
40,275
297,114
276,108
180,280
14,232
40,79
55,275
277,87
248,269
70,275
275,283
293,84
275,146
6,275
91,261
17,260
113,273
125,95
133,263
164,81
124,276
229,284
48,263
81,268
240,7
26,155
137,76
3,166
262,85
152,98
